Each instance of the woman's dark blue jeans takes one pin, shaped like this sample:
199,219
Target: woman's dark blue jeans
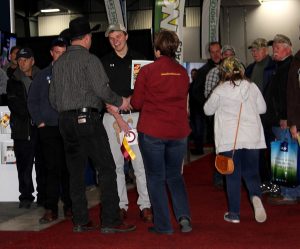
163,160
246,167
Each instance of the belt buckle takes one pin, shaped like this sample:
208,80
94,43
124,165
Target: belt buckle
84,109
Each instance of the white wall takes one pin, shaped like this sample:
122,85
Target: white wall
267,20
191,44
52,25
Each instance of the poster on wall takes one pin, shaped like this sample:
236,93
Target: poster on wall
136,66
168,15
7,41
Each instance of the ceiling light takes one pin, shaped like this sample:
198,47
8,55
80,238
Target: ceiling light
50,10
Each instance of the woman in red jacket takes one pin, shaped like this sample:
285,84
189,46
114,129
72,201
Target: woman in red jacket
161,91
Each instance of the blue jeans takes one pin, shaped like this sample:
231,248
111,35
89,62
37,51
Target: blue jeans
246,166
291,193
163,160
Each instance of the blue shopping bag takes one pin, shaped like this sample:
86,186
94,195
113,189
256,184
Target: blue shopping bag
284,159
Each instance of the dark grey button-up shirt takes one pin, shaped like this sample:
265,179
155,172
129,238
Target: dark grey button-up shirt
79,80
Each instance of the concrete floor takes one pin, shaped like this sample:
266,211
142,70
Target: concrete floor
13,218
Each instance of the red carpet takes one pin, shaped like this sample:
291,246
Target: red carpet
282,229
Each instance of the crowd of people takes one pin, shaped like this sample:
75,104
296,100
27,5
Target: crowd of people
77,110
268,90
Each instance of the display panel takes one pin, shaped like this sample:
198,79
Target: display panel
7,41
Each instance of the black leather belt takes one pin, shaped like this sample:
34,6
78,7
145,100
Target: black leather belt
127,112
84,110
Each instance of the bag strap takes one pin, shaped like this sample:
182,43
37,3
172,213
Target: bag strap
237,129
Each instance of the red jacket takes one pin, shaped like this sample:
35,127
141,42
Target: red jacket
161,91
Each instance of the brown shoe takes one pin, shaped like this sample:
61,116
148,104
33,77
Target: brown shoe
281,200
146,215
48,217
122,228
123,214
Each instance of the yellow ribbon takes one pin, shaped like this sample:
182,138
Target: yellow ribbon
128,149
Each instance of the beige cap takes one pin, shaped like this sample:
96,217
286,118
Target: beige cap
228,47
115,27
259,43
280,39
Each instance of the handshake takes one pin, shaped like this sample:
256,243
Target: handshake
124,107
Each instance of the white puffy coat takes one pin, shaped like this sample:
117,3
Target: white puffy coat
224,103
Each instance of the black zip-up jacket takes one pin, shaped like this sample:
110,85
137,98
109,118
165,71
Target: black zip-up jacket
17,92
293,92
38,99
275,94
196,97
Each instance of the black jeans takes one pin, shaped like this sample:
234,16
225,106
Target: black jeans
88,139
27,153
57,182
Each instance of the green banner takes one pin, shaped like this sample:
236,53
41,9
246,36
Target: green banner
168,15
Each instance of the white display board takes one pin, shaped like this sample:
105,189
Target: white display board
9,183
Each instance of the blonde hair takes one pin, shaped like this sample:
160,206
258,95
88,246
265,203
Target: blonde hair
231,69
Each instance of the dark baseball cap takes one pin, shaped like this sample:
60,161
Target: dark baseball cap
24,53
59,41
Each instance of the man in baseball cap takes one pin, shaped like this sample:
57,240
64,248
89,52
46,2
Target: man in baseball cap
260,72
259,43
24,133
276,99
25,53
115,27
119,80
60,42
279,38
46,119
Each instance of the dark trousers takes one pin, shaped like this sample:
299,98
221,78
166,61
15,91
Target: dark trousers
197,122
83,141
210,137
265,157
57,182
28,152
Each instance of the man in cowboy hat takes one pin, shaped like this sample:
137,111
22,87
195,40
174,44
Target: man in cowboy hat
78,88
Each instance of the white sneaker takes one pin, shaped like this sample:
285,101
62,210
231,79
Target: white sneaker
259,210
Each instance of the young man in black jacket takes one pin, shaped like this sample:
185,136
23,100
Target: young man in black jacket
46,119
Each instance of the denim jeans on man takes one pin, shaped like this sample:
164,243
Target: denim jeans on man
246,167
163,160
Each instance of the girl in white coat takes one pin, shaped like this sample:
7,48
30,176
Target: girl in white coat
225,102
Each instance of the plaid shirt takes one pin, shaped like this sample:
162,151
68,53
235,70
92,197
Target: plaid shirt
212,80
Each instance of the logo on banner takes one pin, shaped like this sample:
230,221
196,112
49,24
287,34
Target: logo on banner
114,11
169,16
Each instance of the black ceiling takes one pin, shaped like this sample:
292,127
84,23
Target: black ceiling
31,7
